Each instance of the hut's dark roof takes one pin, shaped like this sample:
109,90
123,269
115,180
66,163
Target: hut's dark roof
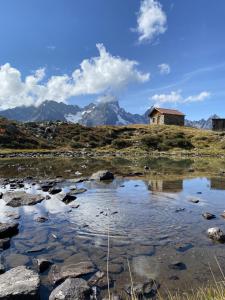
166,111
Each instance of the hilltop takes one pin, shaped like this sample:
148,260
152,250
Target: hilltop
131,139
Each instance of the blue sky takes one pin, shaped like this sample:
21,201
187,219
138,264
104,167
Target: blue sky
178,45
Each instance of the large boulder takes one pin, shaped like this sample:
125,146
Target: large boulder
72,289
16,199
8,229
102,175
215,233
19,283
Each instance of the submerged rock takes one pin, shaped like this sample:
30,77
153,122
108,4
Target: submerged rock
141,290
102,175
208,216
43,264
2,268
16,199
4,243
19,283
194,200
100,280
78,191
72,289
215,233
70,269
41,219
55,190
8,229
69,197
177,266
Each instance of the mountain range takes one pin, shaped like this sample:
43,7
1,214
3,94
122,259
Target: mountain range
102,113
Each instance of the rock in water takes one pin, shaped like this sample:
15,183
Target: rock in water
72,289
194,200
19,283
16,199
144,290
43,264
69,197
2,268
4,243
55,190
102,175
177,266
70,269
8,229
208,216
215,233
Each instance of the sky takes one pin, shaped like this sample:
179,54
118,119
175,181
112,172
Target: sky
167,53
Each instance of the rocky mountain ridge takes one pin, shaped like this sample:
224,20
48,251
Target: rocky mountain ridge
103,113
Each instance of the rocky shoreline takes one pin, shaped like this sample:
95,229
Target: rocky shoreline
135,153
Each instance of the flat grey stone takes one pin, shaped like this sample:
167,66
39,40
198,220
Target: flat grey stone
19,283
16,199
72,289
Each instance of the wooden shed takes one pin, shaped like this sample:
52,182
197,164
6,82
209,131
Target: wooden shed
218,124
166,116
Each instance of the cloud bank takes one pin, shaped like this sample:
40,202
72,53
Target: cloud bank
175,97
151,21
93,77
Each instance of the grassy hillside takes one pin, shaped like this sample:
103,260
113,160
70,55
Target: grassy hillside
139,139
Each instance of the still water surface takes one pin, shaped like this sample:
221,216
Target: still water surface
150,220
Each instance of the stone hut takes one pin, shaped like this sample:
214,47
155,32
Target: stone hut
218,124
166,116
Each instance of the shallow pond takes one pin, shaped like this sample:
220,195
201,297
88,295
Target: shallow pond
149,222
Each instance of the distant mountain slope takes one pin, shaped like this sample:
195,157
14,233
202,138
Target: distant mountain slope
102,113
202,124
108,113
47,111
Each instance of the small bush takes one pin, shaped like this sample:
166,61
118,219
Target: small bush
120,144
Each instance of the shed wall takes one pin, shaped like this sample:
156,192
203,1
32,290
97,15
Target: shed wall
218,124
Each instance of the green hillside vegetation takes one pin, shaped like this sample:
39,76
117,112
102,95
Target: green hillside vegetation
129,139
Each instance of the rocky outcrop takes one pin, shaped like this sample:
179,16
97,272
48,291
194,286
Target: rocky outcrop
72,289
102,175
19,283
16,199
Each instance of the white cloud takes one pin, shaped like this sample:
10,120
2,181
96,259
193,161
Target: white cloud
108,98
151,20
175,97
94,76
164,69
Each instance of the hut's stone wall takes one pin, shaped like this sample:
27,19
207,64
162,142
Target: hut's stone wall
174,120
166,119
